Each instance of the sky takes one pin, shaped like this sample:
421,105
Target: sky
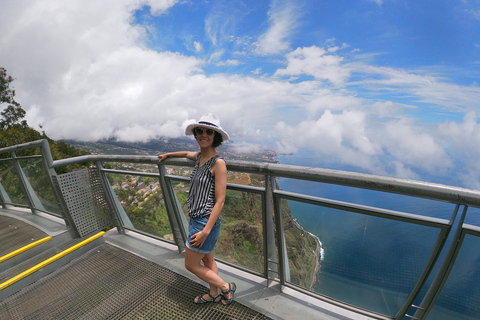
387,87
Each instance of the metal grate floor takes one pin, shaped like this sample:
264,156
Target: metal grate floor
15,234
110,283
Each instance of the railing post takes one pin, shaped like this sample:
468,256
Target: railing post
284,268
442,238
436,287
23,183
4,196
271,259
174,212
47,161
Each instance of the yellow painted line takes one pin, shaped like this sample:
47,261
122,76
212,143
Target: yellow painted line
48,261
23,249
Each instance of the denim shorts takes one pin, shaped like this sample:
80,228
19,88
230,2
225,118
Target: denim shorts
196,225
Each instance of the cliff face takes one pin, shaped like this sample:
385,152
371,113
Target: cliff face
303,251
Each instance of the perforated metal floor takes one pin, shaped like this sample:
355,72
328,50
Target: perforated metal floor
15,234
110,283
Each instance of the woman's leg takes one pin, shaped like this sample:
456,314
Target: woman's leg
209,262
207,272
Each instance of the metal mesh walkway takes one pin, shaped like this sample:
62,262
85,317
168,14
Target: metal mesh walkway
110,283
15,234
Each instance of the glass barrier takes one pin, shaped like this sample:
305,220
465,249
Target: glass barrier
38,178
473,216
11,183
366,261
460,296
142,199
181,188
28,152
241,235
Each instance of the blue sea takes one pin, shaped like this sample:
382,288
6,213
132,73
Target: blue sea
373,262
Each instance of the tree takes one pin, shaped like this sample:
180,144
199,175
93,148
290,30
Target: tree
13,112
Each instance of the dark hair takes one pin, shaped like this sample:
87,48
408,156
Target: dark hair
217,139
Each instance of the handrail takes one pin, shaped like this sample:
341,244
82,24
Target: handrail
427,190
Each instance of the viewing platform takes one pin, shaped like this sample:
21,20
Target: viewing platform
107,242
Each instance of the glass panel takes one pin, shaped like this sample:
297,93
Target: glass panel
181,190
11,183
377,199
142,200
460,296
473,216
241,235
28,152
6,155
366,261
38,178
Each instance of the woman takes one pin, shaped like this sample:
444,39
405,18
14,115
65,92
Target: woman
206,198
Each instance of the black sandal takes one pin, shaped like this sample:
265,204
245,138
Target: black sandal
231,289
200,299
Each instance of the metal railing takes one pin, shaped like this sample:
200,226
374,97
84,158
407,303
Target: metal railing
387,264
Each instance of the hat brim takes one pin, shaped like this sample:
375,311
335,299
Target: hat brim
190,127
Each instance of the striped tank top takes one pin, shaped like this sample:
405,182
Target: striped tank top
201,198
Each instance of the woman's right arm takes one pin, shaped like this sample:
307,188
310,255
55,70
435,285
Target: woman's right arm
179,154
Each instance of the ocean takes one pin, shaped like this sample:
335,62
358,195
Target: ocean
367,261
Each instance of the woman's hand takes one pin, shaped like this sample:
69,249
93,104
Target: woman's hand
199,238
163,157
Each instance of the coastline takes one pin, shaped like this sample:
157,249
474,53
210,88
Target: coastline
319,253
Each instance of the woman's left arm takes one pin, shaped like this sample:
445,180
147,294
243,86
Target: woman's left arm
220,172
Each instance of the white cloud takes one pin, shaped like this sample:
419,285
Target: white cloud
314,61
229,62
401,171
340,136
158,7
257,71
378,2
245,147
198,46
415,147
282,19
420,86
386,109
83,71
215,56
139,132
463,139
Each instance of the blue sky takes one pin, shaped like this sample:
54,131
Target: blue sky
387,87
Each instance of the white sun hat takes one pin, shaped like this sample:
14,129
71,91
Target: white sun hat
208,120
